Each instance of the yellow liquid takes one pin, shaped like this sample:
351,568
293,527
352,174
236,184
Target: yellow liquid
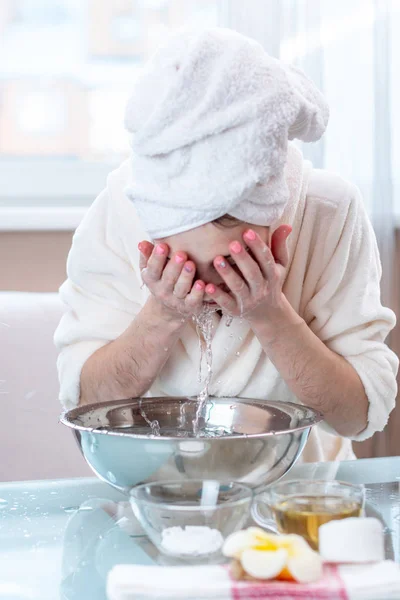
305,514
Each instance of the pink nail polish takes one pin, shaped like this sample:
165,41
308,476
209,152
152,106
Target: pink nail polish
188,268
179,259
198,286
160,250
250,235
222,264
236,247
210,289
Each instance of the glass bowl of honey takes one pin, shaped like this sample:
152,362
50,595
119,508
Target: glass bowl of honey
302,506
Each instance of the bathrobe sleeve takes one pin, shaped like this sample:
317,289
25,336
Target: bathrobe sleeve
102,292
346,313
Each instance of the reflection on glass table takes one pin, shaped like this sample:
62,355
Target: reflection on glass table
59,539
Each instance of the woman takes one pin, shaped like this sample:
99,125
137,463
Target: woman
216,206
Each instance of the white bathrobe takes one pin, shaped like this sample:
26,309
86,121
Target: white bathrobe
332,282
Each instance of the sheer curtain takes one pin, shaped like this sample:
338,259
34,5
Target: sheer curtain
350,50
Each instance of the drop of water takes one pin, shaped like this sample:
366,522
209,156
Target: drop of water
229,320
71,509
240,338
237,353
111,477
94,444
240,302
53,493
3,503
166,349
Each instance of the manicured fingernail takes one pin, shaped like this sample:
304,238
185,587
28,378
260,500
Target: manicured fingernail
160,250
250,235
222,264
199,285
236,247
188,268
140,247
179,259
210,289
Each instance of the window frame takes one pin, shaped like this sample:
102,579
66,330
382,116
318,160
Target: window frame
63,190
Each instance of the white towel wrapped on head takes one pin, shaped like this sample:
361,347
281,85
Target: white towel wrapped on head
210,119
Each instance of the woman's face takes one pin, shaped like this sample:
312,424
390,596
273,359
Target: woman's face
203,244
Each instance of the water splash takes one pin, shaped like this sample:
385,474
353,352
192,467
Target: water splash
182,416
204,322
154,425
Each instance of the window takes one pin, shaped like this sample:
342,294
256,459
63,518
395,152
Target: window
66,71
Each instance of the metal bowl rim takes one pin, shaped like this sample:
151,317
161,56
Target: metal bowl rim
65,419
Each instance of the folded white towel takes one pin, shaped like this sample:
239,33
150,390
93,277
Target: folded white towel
380,581
210,118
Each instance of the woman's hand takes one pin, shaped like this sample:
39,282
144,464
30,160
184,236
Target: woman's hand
171,280
256,284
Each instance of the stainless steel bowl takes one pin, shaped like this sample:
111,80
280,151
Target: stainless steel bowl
248,441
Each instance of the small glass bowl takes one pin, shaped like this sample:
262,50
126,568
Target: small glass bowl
302,506
190,520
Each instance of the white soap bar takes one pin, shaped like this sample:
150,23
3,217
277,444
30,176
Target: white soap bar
353,540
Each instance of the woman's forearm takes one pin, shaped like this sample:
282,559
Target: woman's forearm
318,377
127,366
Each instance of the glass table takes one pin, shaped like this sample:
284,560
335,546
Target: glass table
59,539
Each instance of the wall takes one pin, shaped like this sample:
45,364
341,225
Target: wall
33,261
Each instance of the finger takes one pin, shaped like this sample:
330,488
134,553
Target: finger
233,280
248,267
194,300
173,270
279,245
185,280
225,300
156,262
262,253
145,249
